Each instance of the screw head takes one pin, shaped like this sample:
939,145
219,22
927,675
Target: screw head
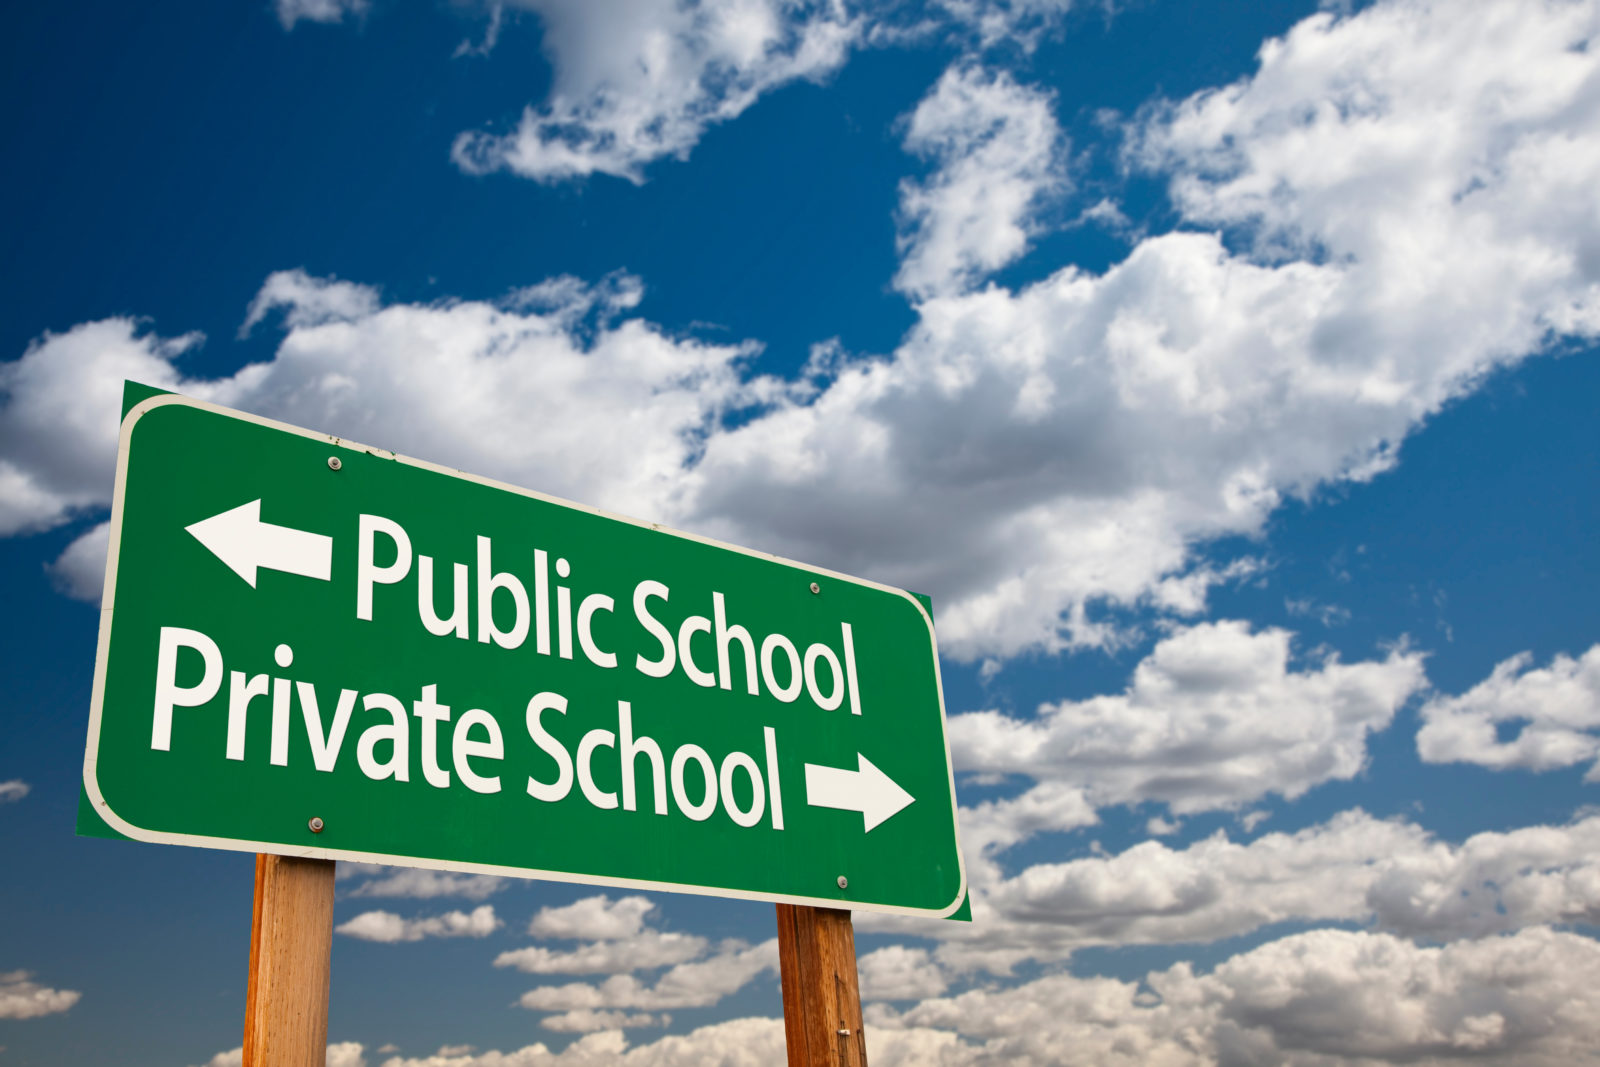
334,463
844,883
815,588
315,824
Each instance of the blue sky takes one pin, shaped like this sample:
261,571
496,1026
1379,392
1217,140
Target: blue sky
1224,372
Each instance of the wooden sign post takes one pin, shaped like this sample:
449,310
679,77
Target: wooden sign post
291,938
821,997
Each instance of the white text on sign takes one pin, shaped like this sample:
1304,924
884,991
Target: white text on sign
827,677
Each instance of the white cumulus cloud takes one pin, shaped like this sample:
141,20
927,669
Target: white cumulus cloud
1000,156
420,884
58,428
308,301
616,940
1214,717
641,952
1398,202
1354,868
698,984
596,918
80,571
640,81
386,926
14,789
896,972
1308,1000
1555,710
734,1043
23,998
1312,999
585,1021
340,1054
290,12
512,390
1406,202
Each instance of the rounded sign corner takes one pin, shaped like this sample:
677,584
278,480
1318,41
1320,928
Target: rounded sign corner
150,403
962,891
103,809
922,610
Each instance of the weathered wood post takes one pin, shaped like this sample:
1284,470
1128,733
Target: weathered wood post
821,996
291,939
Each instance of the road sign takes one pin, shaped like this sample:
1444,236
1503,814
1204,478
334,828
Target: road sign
314,648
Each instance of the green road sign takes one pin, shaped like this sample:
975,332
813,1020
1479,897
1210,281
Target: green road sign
314,648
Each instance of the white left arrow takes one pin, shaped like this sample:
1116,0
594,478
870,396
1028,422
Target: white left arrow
240,539
866,789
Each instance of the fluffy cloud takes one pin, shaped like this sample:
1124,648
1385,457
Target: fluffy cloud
1012,21
511,390
688,985
1492,882
1406,198
1213,718
1308,1000
290,12
735,1043
583,1021
1557,707
1000,158
342,1054
1406,205
992,826
596,918
1511,1000
419,884
638,82
306,301
80,571
386,926
347,869
617,941
899,973
1353,868
1406,135
1212,889
23,998
15,789
641,952
58,429
1311,999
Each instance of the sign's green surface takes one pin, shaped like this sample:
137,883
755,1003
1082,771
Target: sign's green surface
453,673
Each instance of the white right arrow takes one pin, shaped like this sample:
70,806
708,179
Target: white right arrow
867,790
240,539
